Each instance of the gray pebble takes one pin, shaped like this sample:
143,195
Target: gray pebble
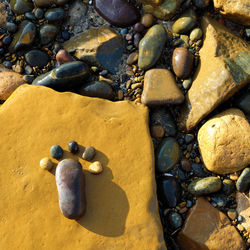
243,183
89,154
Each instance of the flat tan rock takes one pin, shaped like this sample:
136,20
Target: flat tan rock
243,209
224,142
208,228
9,81
121,209
222,71
236,10
160,88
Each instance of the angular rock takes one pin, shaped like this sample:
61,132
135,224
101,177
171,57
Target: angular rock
224,142
102,47
160,88
9,81
48,3
151,46
223,70
116,216
108,9
236,10
71,188
208,228
243,209
77,13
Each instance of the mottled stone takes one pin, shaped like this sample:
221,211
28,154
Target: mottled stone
236,10
168,154
73,147
160,88
151,46
36,58
243,183
48,3
175,220
48,33
77,12
19,7
9,81
201,4
222,71
101,47
243,210
89,153
207,228
224,142
126,16
24,37
56,151
54,14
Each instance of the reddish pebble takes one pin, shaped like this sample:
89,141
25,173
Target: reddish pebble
139,27
129,37
186,165
63,56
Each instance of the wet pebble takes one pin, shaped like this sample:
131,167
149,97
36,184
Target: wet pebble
7,40
219,199
186,165
39,13
55,14
175,220
187,83
232,214
36,58
30,16
48,3
243,183
73,147
95,167
201,4
189,138
195,34
147,20
21,6
227,186
199,170
244,103
48,33
137,39
157,131
11,27
132,58
56,151
46,163
138,27
89,153
63,56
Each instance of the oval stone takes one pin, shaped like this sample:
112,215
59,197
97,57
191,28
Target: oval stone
151,46
71,188
47,3
55,14
48,33
195,34
36,58
182,62
119,13
205,186
63,56
243,183
19,7
168,154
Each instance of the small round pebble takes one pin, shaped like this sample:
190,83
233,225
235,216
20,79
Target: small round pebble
95,167
195,34
175,220
73,147
56,151
139,27
88,154
147,20
39,13
7,40
46,163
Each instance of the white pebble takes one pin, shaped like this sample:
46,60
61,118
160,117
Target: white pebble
95,167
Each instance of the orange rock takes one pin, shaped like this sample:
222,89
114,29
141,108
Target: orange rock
208,228
243,209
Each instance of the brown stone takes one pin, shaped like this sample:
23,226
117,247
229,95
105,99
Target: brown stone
147,20
222,71
236,10
208,228
63,56
132,58
182,62
9,81
243,209
160,88
224,142
157,131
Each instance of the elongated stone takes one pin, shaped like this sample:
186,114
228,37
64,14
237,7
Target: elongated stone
55,14
47,3
71,188
151,46
108,9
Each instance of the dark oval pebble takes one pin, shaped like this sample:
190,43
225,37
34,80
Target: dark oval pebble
73,147
227,186
48,33
48,3
108,9
56,151
137,39
36,58
186,165
175,220
199,170
189,138
1,51
63,56
182,62
11,27
139,27
71,188
30,15
201,4
19,7
243,182
219,199
39,13
7,64
7,40
65,35
55,14
89,153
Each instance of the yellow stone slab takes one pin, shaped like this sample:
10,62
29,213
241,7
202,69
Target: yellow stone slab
122,209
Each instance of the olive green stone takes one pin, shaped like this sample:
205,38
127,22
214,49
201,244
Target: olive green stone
205,186
48,33
24,37
20,7
55,14
185,23
168,154
151,46
195,34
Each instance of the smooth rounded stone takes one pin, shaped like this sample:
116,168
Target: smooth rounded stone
9,82
185,23
243,183
55,14
11,27
195,34
181,175
99,89
48,33
56,151
189,138
71,188
66,76
137,39
36,58
95,168
30,16
126,16
168,154
62,57
204,186
73,147
227,186
48,3
244,103
89,153
132,58
199,170
175,220
7,64
147,20
19,7
39,13
151,46
157,131
7,40
169,191
186,165
187,83
28,78
138,27
201,4
182,62
224,142
24,37
46,163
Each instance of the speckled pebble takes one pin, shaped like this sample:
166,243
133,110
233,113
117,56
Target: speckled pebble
175,220
56,151
73,147
89,153
46,163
